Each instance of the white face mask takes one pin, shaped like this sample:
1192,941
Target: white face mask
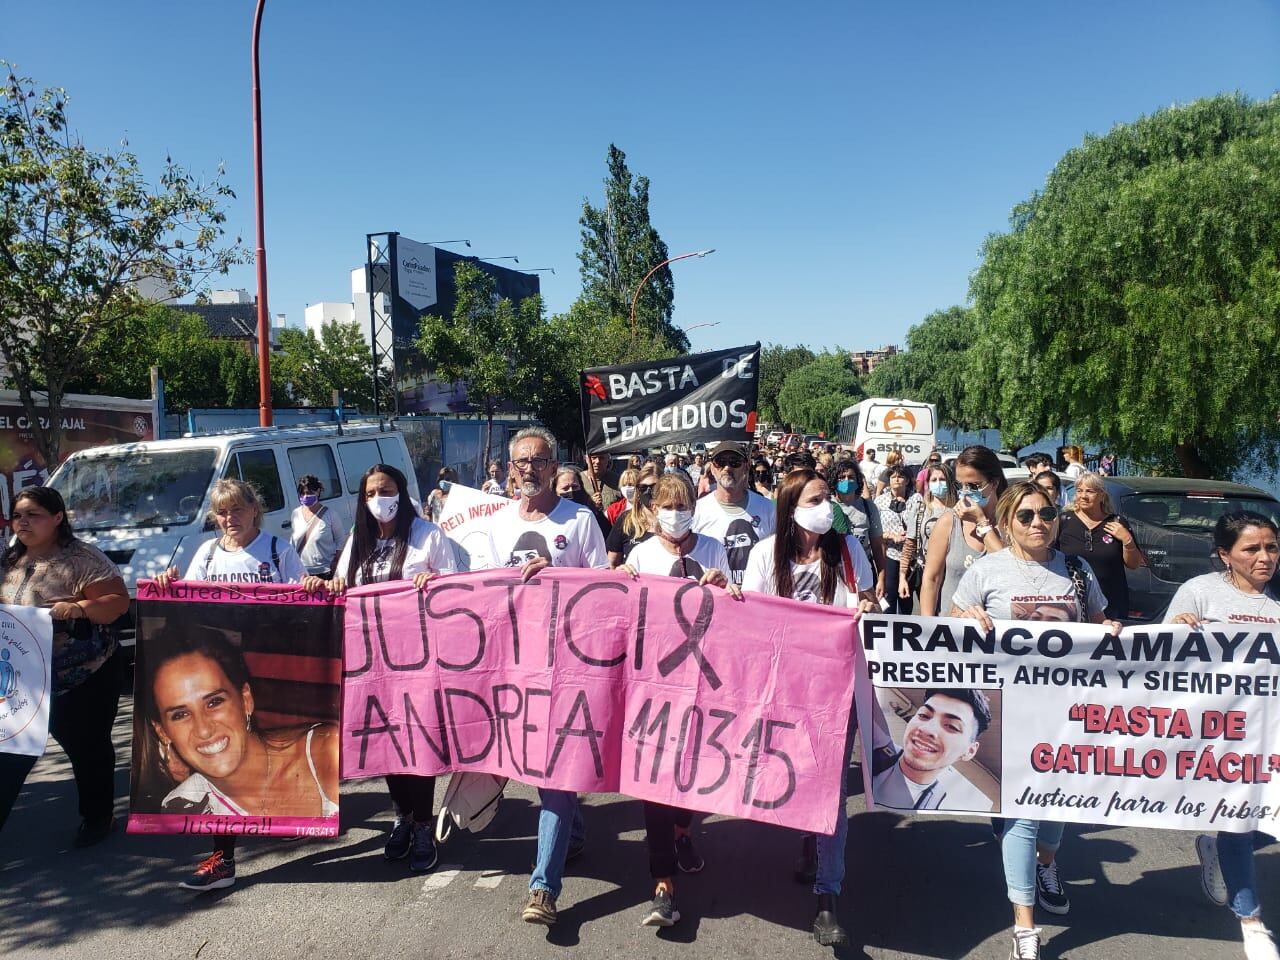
675,523
383,508
816,519
628,493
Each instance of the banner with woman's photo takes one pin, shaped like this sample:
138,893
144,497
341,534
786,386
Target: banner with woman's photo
237,701
1161,726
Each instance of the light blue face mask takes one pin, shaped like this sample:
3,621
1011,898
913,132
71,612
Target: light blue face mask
977,497
938,488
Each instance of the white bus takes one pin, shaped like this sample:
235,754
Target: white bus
883,424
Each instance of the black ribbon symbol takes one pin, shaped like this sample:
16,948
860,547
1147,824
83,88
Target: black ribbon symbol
694,632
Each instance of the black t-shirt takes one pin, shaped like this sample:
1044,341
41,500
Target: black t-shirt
619,542
1105,555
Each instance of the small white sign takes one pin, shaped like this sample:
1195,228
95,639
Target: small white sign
26,675
416,273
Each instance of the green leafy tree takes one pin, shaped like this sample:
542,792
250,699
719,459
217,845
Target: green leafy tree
1136,298
776,362
315,366
814,395
620,246
77,230
500,349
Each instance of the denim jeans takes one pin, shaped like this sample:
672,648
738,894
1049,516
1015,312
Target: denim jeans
1235,856
1019,841
559,824
830,876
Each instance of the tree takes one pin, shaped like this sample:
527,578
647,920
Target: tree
814,396
776,362
314,367
77,230
498,348
1136,298
620,246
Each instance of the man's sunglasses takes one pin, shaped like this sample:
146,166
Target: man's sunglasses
729,460
1047,514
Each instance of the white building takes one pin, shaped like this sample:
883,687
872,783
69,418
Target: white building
317,315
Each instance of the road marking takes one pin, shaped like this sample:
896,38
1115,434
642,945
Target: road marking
489,880
440,879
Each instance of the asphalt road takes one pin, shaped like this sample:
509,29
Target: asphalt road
916,888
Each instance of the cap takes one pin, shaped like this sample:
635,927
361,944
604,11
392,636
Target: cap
728,446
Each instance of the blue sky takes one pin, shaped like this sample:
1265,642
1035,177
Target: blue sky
845,159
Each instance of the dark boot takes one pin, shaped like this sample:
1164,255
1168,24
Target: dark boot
826,925
807,866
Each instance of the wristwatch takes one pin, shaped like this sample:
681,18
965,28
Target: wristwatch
982,529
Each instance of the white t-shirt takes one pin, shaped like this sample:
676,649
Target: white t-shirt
1211,597
323,542
252,564
1074,470
737,529
427,552
568,536
651,556
806,578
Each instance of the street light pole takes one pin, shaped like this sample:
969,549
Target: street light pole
260,252
640,285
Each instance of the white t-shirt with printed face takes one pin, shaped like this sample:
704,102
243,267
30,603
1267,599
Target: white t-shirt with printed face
1212,597
806,578
652,557
568,536
737,528
427,552
1009,588
251,564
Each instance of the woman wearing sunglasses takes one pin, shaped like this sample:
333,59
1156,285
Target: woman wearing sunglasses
966,532
636,523
1030,581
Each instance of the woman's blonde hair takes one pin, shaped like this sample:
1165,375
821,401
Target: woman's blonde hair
638,520
1093,482
229,493
672,485
894,458
629,477
1011,501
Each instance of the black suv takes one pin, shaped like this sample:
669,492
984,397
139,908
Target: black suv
1173,519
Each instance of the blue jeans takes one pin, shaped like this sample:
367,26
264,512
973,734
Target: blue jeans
830,876
1235,856
1019,841
559,823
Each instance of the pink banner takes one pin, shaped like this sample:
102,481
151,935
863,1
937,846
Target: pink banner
591,681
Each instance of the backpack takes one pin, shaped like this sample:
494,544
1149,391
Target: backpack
471,803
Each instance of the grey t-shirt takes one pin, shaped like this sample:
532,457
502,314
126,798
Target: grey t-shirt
1211,596
1009,588
864,520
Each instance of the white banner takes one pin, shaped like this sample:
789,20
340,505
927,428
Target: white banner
465,521
26,663
1161,726
416,272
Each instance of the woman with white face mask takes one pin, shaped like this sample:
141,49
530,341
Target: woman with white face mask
674,550
389,541
808,561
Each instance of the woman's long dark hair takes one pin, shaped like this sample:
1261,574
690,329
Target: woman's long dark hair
984,460
48,499
786,548
364,543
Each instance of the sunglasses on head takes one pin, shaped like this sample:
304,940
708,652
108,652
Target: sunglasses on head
1047,514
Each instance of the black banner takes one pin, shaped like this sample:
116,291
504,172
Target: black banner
699,398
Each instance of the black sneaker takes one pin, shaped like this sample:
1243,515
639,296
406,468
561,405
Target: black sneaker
91,832
213,873
399,840
422,850
826,925
687,858
806,870
1026,945
662,912
1049,890
541,908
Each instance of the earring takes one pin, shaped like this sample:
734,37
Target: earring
248,719
164,752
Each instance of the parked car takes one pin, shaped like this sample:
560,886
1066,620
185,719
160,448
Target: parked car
1173,520
773,438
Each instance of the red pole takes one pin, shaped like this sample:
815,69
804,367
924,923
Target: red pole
260,253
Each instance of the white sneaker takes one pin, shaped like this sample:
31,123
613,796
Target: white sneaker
1215,888
1026,945
1258,942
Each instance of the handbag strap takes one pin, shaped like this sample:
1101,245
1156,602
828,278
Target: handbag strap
311,525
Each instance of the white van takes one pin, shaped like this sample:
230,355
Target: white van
146,505
883,424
